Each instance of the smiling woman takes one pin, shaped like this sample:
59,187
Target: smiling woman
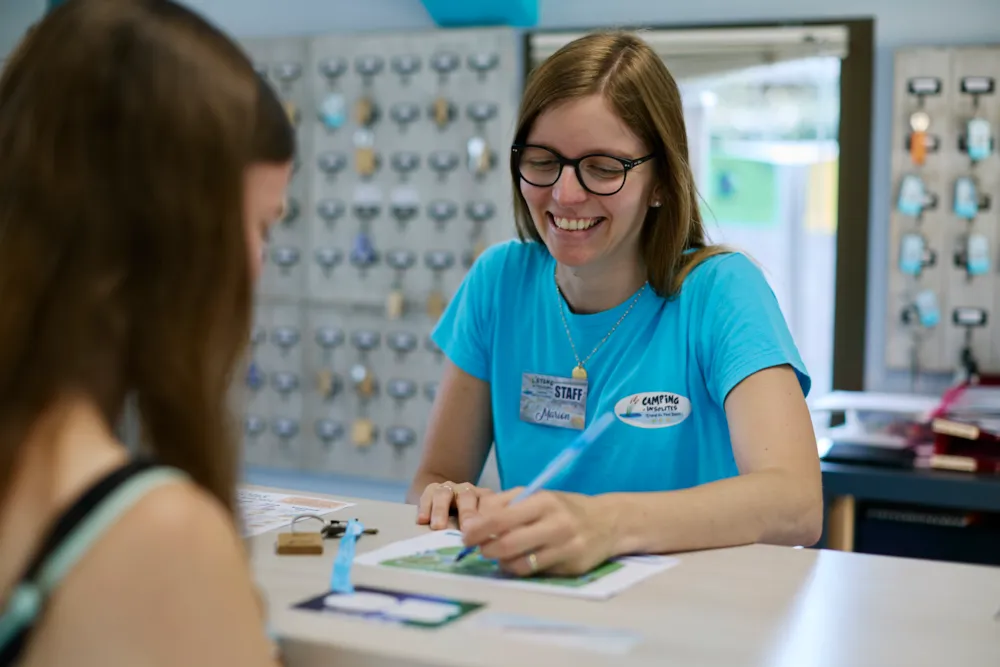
612,300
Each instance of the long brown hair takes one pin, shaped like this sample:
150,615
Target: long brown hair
633,79
126,127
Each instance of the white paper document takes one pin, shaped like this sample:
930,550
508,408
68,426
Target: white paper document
434,554
262,511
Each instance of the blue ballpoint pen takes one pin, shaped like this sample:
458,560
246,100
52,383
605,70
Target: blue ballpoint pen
559,464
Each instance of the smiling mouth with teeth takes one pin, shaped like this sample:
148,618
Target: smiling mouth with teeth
575,224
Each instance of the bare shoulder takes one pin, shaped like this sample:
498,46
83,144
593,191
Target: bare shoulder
174,583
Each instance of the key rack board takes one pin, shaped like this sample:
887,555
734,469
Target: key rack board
401,180
944,286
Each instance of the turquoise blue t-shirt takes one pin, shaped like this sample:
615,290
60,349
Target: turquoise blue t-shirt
687,353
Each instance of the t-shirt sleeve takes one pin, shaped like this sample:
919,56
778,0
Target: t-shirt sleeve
743,329
465,330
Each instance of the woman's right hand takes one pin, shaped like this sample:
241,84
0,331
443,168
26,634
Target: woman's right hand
437,500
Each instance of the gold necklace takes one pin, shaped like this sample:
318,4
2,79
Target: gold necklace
580,373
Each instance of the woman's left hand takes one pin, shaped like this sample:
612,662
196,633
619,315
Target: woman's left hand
556,533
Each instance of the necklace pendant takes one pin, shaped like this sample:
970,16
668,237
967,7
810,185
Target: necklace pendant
579,373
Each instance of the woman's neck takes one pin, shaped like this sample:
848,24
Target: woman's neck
592,289
66,451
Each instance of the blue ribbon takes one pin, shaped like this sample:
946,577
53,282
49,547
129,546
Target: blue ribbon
340,578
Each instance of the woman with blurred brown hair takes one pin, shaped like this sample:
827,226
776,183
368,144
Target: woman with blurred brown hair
142,162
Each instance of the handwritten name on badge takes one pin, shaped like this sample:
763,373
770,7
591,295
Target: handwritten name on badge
553,401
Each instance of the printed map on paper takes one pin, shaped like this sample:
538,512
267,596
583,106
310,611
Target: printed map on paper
434,553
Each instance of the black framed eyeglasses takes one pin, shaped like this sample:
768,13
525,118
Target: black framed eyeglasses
598,173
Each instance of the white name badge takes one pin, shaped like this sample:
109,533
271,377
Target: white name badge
553,401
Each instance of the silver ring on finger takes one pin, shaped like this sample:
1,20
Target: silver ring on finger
532,562
450,488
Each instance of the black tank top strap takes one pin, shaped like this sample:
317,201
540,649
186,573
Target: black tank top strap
72,534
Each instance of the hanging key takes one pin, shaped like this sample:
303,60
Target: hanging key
966,201
331,163
368,66
328,384
365,340
293,113
363,432
363,253
481,112
333,111
284,382
443,112
257,336
329,431
977,142
441,211
285,429
404,202
924,311
404,162
405,65
437,261
329,339
291,211
973,255
285,257
913,197
367,203
482,62
366,162
286,74
479,212
914,254
366,112
400,261
968,318
401,438
977,86
404,113
401,390
285,338
328,259
444,63
479,157
443,162
402,343
920,121
430,390
254,426
332,69
255,378
432,347
364,383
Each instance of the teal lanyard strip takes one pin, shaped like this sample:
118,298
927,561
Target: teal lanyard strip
340,578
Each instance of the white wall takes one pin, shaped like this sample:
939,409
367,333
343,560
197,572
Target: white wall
898,23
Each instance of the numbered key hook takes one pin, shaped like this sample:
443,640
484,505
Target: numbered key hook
405,65
331,163
329,431
328,259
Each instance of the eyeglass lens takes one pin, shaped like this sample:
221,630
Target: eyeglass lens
599,174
